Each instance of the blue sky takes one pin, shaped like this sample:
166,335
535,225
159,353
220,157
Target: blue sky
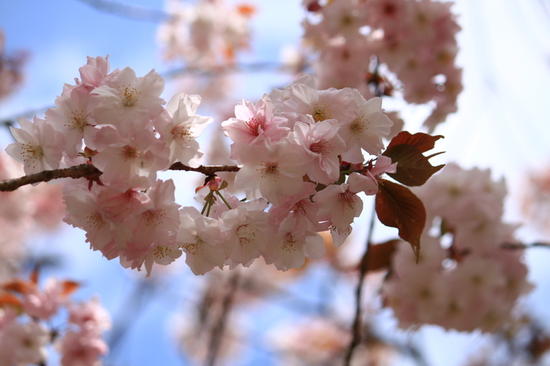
502,123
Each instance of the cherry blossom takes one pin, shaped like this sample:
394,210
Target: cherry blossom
38,146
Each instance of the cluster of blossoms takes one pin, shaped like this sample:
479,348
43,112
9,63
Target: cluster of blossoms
11,74
26,312
465,278
205,34
536,199
320,341
314,342
302,160
414,40
27,210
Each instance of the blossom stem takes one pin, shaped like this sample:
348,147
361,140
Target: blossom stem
223,199
356,333
216,336
91,172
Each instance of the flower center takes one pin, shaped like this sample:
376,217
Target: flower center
357,126
289,244
270,168
129,152
245,234
129,97
255,124
319,147
32,151
78,121
180,132
319,114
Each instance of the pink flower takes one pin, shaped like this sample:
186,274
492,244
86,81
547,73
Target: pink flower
366,181
300,209
133,160
304,103
246,231
321,145
72,117
94,72
43,304
23,343
180,128
253,128
153,239
201,239
38,146
81,348
291,245
339,206
127,101
277,173
84,211
366,129
90,316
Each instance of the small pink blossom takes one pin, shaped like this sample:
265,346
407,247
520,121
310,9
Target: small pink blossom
81,348
90,316
321,145
340,206
253,128
38,146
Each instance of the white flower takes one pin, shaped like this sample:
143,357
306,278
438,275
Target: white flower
38,146
182,126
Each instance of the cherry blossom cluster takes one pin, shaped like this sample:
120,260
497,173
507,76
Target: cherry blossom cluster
321,341
11,74
301,149
464,279
206,33
26,314
536,199
304,156
27,210
413,42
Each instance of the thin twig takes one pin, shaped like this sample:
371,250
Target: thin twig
217,333
75,172
249,67
132,308
521,246
91,172
128,11
357,320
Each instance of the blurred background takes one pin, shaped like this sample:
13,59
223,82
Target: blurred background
502,123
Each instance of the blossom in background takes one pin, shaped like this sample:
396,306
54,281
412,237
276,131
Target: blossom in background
414,40
205,34
471,283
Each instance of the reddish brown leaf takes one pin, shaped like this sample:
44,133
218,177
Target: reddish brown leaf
19,286
398,207
380,255
413,168
10,300
421,141
35,274
69,287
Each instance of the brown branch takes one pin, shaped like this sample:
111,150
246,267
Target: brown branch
205,169
91,172
217,333
127,10
75,172
522,246
356,328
